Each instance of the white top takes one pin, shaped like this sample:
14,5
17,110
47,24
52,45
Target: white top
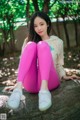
56,46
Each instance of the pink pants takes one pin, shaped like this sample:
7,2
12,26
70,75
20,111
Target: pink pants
36,64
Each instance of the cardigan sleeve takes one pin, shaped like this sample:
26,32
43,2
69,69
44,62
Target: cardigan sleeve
60,61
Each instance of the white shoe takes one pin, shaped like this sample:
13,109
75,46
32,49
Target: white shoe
14,100
45,101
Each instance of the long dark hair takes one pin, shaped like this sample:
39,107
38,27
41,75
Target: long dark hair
33,36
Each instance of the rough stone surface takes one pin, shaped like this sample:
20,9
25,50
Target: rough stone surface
66,105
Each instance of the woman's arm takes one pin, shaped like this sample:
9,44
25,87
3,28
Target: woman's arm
60,60
60,63
24,44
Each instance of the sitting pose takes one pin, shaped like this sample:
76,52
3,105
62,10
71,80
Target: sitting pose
41,63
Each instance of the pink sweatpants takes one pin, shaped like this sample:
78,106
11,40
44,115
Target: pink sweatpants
36,64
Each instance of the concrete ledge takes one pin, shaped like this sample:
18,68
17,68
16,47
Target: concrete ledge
66,105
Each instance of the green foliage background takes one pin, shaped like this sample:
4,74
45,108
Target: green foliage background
15,11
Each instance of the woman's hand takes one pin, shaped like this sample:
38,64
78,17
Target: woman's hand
73,77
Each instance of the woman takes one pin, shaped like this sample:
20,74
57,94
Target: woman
40,68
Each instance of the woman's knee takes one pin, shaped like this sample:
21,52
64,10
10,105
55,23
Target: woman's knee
42,45
30,46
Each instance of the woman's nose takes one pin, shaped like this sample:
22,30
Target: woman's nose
39,27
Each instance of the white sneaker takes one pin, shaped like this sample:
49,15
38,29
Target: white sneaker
14,100
45,101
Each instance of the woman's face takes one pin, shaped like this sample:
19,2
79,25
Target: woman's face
40,27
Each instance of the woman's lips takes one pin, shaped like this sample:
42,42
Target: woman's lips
40,32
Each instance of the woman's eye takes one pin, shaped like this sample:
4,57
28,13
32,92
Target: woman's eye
35,26
42,24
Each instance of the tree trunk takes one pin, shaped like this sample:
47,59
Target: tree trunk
35,3
27,12
66,33
12,40
57,25
2,49
46,6
27,8
76,33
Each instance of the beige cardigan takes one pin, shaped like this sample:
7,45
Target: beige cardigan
56,46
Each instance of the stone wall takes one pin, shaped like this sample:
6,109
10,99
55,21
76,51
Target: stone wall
71,32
